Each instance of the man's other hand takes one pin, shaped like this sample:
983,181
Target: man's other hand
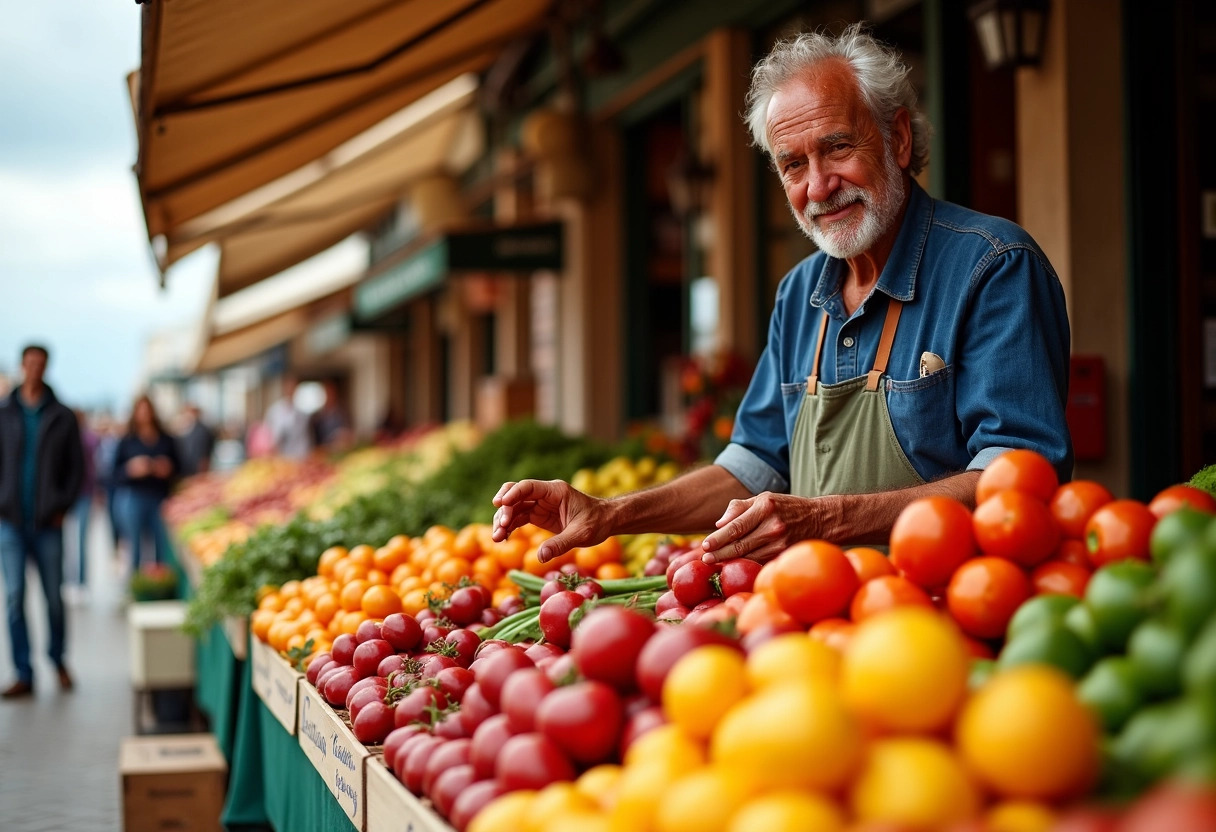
575,518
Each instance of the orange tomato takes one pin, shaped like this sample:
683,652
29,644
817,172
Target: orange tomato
272,601
1118,531
612,572
1176,496
813,581
868,563
326,606
325,565
1057,577
439,536
984,594
401,573
1019,470
759,610
259,623
376,576
381,601
414,601
363,555
503,593
931,538
513,553
351,596
834,632
486,570
1073,551
451,570
1075,502
387,558
533,566
883,593
347,572
465,544
409,582
1015,526
290,590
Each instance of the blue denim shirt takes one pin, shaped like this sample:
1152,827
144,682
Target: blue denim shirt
978,293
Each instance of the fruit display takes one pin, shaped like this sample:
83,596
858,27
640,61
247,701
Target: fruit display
621,475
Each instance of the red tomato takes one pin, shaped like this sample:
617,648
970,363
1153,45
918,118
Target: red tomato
415,706
413,768
448,786
1118,531
555,616
1075,502
1177,496
471,801
930,539
691,583
1074,552
1017,527
978,649
584,720
498,666
664,649
984,594
834,632
869,563
343,649
606,645
1177,807
813,580
522,694
635,726
474,709
884,593
738,575
373,722
531,761
451,753
487,742
1019,470
1057,577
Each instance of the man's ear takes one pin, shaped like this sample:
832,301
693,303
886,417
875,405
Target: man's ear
901,138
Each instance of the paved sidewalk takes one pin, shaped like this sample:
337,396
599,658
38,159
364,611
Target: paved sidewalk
59,751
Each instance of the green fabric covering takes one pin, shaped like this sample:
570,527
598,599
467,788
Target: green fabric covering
245,806
296,796
217,687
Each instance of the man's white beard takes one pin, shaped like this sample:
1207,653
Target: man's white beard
853,235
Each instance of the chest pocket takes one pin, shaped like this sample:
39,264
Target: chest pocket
925,422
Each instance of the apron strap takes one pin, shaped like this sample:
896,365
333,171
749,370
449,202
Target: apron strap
894,307
812,381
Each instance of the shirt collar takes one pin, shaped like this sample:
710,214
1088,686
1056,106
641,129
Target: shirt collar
898,278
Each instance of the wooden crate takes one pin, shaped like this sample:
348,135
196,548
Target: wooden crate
392,808
337,756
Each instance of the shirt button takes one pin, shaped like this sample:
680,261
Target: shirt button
823,449
848,341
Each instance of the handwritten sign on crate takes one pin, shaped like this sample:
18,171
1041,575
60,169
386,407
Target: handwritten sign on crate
391,807
334,752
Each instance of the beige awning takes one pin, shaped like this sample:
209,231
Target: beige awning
298,215
234,94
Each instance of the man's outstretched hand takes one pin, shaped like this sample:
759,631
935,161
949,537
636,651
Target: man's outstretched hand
574,518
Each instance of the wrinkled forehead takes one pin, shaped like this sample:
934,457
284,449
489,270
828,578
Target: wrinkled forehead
826,92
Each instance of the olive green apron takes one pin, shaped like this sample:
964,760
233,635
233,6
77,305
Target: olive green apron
843,441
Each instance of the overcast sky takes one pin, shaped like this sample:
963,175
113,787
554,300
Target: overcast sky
75,269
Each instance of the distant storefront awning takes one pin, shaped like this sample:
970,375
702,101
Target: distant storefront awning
234,94
518,249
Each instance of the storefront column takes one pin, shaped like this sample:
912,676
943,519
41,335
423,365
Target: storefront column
457,325
732,253
1071,196
423,396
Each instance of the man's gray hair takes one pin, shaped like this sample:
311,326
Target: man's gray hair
881,75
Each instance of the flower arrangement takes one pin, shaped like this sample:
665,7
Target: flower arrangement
713,389
155,582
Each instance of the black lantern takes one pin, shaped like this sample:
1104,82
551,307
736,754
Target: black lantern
1011,32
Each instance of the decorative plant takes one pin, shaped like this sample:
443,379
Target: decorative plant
155,582
713,389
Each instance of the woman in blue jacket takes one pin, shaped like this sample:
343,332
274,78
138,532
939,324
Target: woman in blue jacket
145,465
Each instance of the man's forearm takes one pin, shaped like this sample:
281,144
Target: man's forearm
868,518
688,504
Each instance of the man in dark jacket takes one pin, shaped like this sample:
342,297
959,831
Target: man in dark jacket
41,467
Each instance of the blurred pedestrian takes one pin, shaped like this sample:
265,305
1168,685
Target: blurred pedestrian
82,511
109,433
195,443
41,468
288,425
329,425
145,466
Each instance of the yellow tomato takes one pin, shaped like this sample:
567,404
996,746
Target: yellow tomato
508,813
916,782
702,801
669,745
1019,816
702,687
788,811
791,657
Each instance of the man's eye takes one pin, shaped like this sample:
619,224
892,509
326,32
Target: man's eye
840,147
789,166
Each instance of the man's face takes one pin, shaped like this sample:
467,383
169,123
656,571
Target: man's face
33,365
844,182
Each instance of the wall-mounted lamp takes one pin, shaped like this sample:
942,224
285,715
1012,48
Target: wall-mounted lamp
1011,32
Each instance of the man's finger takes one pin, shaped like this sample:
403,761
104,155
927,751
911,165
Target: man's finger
733,510
559,544
733,530
506,486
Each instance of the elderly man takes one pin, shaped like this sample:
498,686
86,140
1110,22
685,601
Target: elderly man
921,341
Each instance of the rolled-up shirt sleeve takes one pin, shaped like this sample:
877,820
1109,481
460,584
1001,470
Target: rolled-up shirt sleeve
758,454
1013,378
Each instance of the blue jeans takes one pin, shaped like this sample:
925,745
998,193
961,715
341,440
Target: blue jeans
139,514
81,513
45,548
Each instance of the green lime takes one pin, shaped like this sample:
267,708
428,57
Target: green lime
1199,666
981,672
1038,610
1175,530
1117,596
1048,643
1160,738
1081,622
1188,586
1156,650
1110,691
